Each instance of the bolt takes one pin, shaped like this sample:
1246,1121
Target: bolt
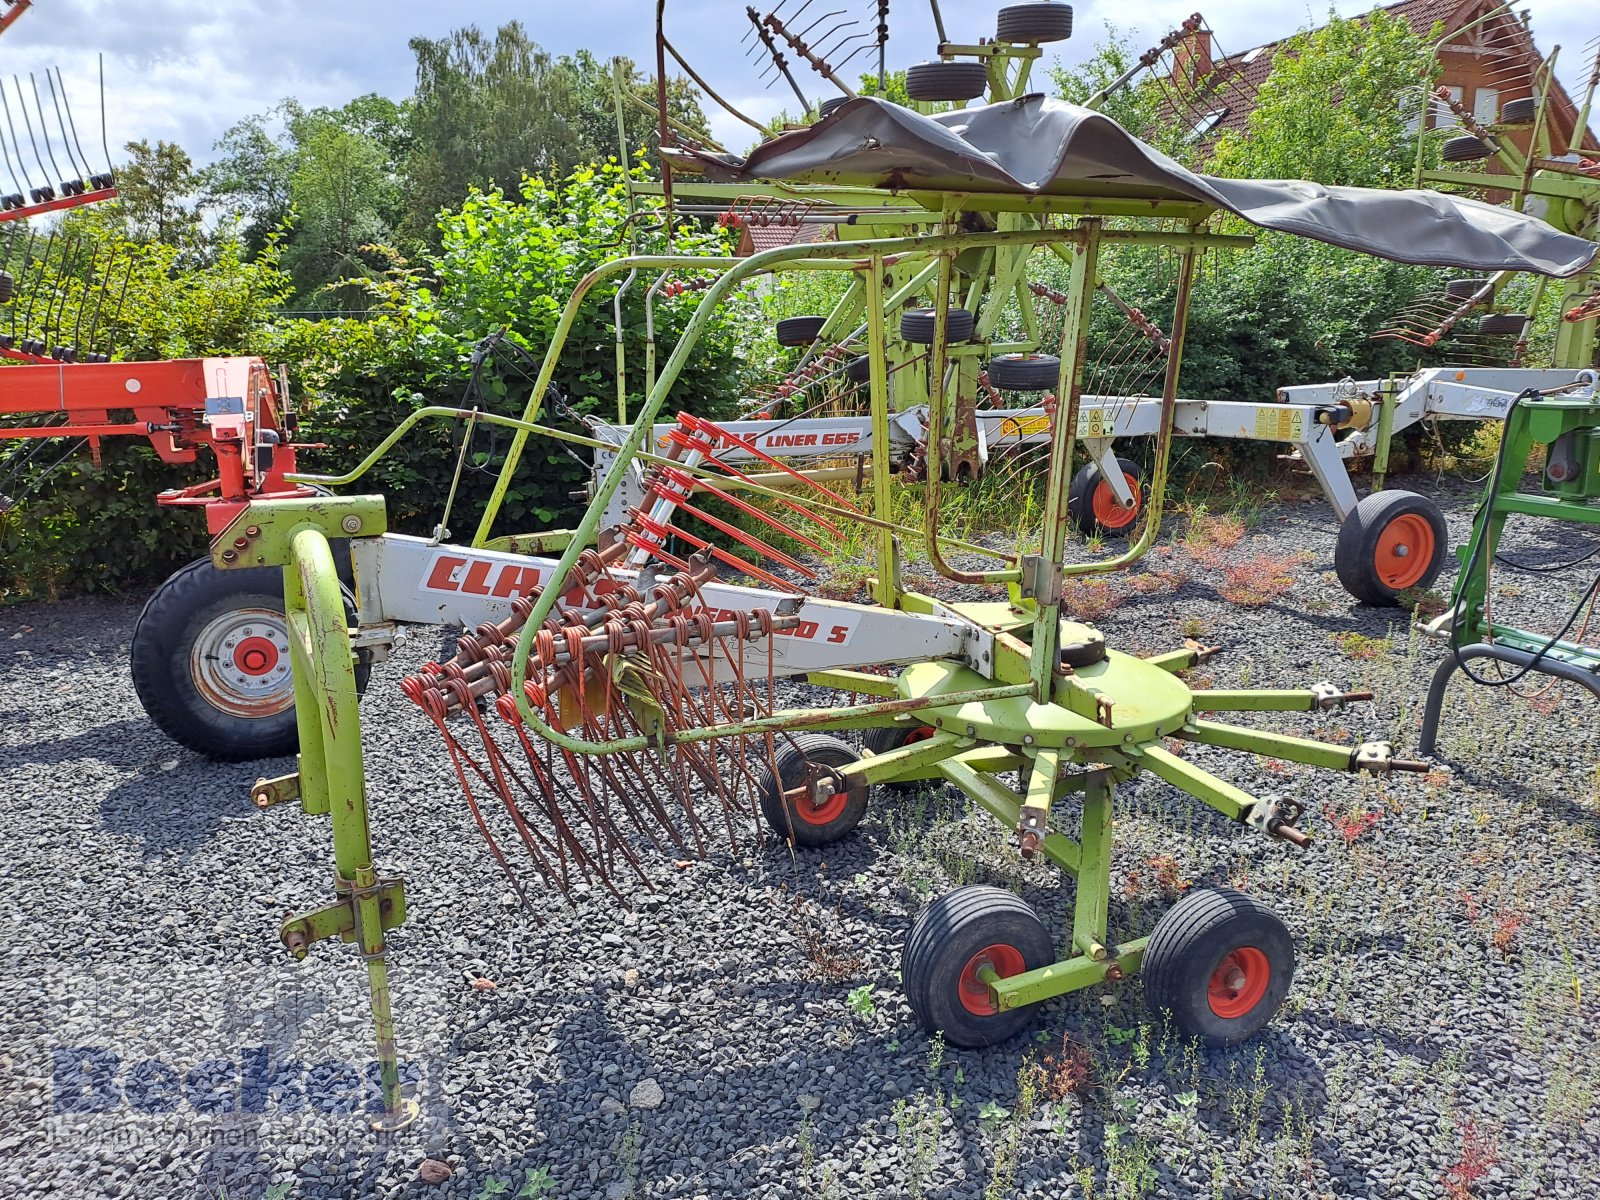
229,555
351,524
252,531
1114,973
241,543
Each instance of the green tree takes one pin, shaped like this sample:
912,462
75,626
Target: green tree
1136,104
158,185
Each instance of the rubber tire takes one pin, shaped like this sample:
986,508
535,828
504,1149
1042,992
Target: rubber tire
828,106
1519,112
1358,542
1463,289
159,652
1024,372
791,757
1463,149
799,331
944,937
892,737
1040,22
1189,942
937,81
858,369
1080,500
1502,324
8,287
916,326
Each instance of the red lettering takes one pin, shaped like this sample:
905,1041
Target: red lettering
442,577
840,632
477,578
516,581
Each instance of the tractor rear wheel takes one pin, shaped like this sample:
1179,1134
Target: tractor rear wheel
798,818
1219,964
953,945
1093,506
1392,542
210,657
881,741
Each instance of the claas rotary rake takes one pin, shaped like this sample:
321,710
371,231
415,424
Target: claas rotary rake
622,688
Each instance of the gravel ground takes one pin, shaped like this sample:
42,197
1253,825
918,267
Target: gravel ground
740,1031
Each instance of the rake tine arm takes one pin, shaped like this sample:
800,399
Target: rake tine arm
1316,698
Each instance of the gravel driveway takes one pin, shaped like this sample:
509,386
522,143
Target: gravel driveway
740,1032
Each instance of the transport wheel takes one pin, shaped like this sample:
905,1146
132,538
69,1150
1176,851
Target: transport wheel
935,81
1501,324
796,818
951,944
1391,542
1093,506
1024,372
916,325
858,369
1463,149
827,106
1464,289
881,741
210,657
1519,112
8,287
1041,22
1219,963
799,331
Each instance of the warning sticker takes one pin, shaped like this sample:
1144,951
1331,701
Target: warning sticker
1023,426
1280,424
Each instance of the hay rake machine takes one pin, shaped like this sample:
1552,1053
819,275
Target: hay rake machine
622,684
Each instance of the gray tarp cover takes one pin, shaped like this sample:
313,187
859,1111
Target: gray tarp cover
1039,145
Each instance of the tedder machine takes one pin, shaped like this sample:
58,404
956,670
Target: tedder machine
634,682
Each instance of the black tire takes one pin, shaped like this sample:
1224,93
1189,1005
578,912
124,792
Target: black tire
798,820
1105,518
1219,964
1024,372
1464,149
1042,22
828,106
1376,559
1519,112
881,741
8,287
211,715
799,331
916,325
1464,289
859,369
949,941
937,81
1502,324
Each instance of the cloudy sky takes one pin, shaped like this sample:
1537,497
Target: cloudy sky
184,70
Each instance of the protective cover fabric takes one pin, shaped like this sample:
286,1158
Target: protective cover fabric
1037,145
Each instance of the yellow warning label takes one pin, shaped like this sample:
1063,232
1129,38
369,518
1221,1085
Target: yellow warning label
1280,424
1093,423
1022,426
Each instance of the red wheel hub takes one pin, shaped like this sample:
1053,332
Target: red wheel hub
255,656
1239,982
824,813
920,734
1110,514
975,996
1404,551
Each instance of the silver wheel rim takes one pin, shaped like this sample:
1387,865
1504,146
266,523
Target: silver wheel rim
240,663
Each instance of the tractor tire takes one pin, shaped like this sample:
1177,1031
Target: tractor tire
797,820
799,331
938,81
1041,22
1519,112
1093,507
1392,542
1502,324
950,942
1463,289
1464,149
881,741
1024,372
210,658
916,326
1219,964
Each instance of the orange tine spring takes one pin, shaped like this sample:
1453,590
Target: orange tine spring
733,531
685,483
716,432
706,448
